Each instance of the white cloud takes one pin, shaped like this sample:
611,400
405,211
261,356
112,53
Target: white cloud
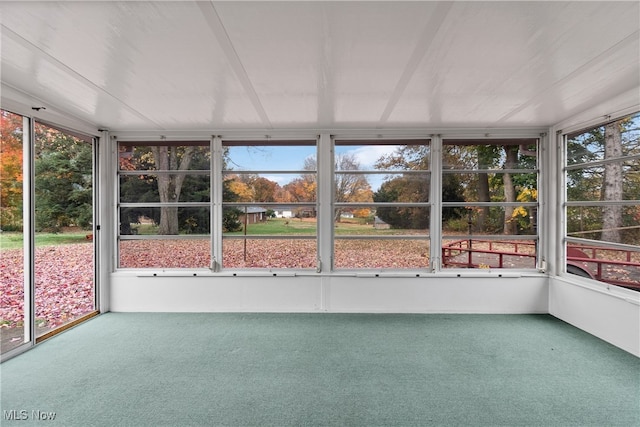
280,179
369,155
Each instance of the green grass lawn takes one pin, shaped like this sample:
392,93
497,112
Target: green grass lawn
12,240
296,226
284,226
274,226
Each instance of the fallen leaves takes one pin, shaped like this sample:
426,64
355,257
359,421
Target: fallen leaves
64,273
64,284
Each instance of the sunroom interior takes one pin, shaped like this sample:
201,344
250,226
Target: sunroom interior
330,157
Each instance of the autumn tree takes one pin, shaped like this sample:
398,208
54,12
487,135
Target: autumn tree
301,189
10,171
410,187
253,188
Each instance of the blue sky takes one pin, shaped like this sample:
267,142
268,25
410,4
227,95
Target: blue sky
292,158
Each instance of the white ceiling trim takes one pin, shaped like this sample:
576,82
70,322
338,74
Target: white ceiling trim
217,27
423,46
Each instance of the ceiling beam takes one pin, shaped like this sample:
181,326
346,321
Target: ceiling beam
217,27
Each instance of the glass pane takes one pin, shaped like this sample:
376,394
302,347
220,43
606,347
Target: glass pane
380,155
387,187
613,140
269,253
485,254
168,220
158,156
490,187
489,155
271,220
263,156
281,187
601,223
381,254
622,180
14,327
143,188
64,255
480,220
172,253
381,221
616,266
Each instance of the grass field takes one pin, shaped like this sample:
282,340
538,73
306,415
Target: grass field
297,226
12,240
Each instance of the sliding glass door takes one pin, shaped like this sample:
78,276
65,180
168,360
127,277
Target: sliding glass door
64,267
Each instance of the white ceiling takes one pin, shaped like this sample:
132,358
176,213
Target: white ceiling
185,65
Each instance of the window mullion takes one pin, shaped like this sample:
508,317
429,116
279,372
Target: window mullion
216,203
435,198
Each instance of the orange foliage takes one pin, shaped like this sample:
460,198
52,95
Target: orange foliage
11,167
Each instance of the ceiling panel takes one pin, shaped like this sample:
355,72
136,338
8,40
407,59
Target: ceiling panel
185,65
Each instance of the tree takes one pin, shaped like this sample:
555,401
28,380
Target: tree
264,190
10,171
412,188
349,187
63,180
612,182
487,156
511,162
397,190
170,158
253,188
300,190
164,178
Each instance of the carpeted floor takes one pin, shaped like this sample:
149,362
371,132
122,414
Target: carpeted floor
157,369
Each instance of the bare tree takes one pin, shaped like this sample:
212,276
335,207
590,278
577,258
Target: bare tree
350,187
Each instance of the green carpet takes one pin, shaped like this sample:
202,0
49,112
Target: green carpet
130,369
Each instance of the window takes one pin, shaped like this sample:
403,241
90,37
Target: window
164,204
269,209
381,209
489,203
603,202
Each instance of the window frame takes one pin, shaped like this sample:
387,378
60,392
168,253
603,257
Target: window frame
419,237
568,266
511,241
220,144
120,236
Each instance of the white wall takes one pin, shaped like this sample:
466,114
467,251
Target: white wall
210,293
608,312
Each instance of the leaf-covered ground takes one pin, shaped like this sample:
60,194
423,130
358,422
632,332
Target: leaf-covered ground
64,284
64,273
273,253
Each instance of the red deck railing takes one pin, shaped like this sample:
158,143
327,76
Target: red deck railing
593,260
